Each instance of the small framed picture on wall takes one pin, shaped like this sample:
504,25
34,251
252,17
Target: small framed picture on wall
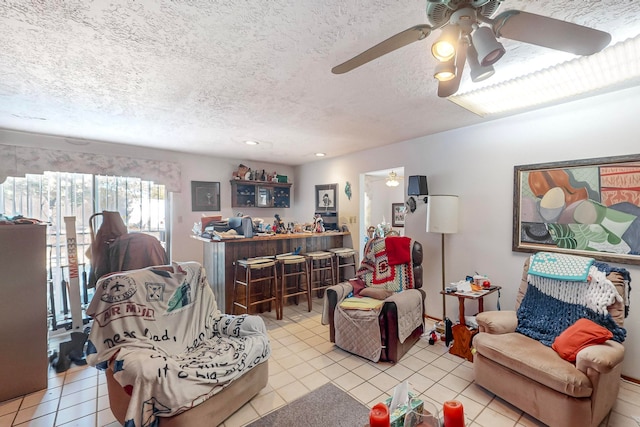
398,211
205,196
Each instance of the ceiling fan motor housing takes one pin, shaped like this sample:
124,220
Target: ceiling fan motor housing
439,12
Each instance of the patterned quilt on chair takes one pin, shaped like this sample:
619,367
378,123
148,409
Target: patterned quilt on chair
169,344
562,289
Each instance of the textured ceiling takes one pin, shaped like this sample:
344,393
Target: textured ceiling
203,76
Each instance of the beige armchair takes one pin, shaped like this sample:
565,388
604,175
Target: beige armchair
534,378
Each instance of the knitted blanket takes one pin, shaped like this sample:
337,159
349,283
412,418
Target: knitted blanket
552,305
376,270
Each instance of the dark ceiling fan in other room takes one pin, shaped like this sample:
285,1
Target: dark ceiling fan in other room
469,33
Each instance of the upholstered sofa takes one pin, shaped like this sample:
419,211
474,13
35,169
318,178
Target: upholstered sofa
534,378
393,347
171,357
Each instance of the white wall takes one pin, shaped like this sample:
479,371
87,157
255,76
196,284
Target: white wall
193,168
477,163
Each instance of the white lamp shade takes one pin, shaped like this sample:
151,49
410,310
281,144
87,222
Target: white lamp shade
442,214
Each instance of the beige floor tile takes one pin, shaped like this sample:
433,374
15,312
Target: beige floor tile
10,406
334,371
366,371
302,370
478,394
309,353
454,383
80,374
77,398
44,421
419,383
88,421
6,420
321,362
433,372
105,418
75,412
36,411
283,378
383,381
292,391
103,403
490,418
618,420
289,340
38,397
399,372
445,364
365,392
267,403
348,381
242,416
351,362
314,380
440,394
79,385
291,361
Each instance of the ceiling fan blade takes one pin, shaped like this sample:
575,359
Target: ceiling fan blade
448,88
404,38
550,32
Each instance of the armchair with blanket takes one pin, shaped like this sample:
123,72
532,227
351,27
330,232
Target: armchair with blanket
171,357
558,356
379,315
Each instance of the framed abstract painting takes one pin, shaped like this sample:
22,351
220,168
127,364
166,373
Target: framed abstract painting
588,207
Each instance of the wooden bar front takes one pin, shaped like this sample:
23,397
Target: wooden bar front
220,255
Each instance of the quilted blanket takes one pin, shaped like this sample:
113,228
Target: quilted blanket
554,302
169,344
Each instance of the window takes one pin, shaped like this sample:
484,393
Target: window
53,195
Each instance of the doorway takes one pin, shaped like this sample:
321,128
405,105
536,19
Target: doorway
378,195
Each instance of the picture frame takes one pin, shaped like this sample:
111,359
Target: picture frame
205,196
587,207
326,200
398,213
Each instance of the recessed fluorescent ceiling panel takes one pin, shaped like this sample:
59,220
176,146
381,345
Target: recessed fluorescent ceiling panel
612,66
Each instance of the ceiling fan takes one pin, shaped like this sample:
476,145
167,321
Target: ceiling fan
469,35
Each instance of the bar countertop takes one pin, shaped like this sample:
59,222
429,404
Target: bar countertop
263,237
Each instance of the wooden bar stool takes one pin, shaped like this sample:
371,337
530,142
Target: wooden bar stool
344,257
293,266
257,272
320,263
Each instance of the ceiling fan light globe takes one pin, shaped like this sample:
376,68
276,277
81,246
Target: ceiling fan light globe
488,48
478,73
482,74
443,51
445,71
444,76
444,48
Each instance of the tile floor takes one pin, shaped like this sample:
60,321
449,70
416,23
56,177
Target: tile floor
302,360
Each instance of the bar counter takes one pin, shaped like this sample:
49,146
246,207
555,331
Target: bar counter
219,255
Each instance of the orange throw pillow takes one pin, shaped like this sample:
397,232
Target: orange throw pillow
581,334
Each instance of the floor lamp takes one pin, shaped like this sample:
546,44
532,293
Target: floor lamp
442,217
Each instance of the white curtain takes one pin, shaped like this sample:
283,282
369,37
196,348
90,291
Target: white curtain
18,161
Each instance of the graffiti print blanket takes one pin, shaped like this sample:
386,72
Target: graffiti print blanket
168,343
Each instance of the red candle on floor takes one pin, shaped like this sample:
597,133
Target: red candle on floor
453,414
379,416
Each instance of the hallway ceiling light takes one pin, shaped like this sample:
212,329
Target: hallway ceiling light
392,179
